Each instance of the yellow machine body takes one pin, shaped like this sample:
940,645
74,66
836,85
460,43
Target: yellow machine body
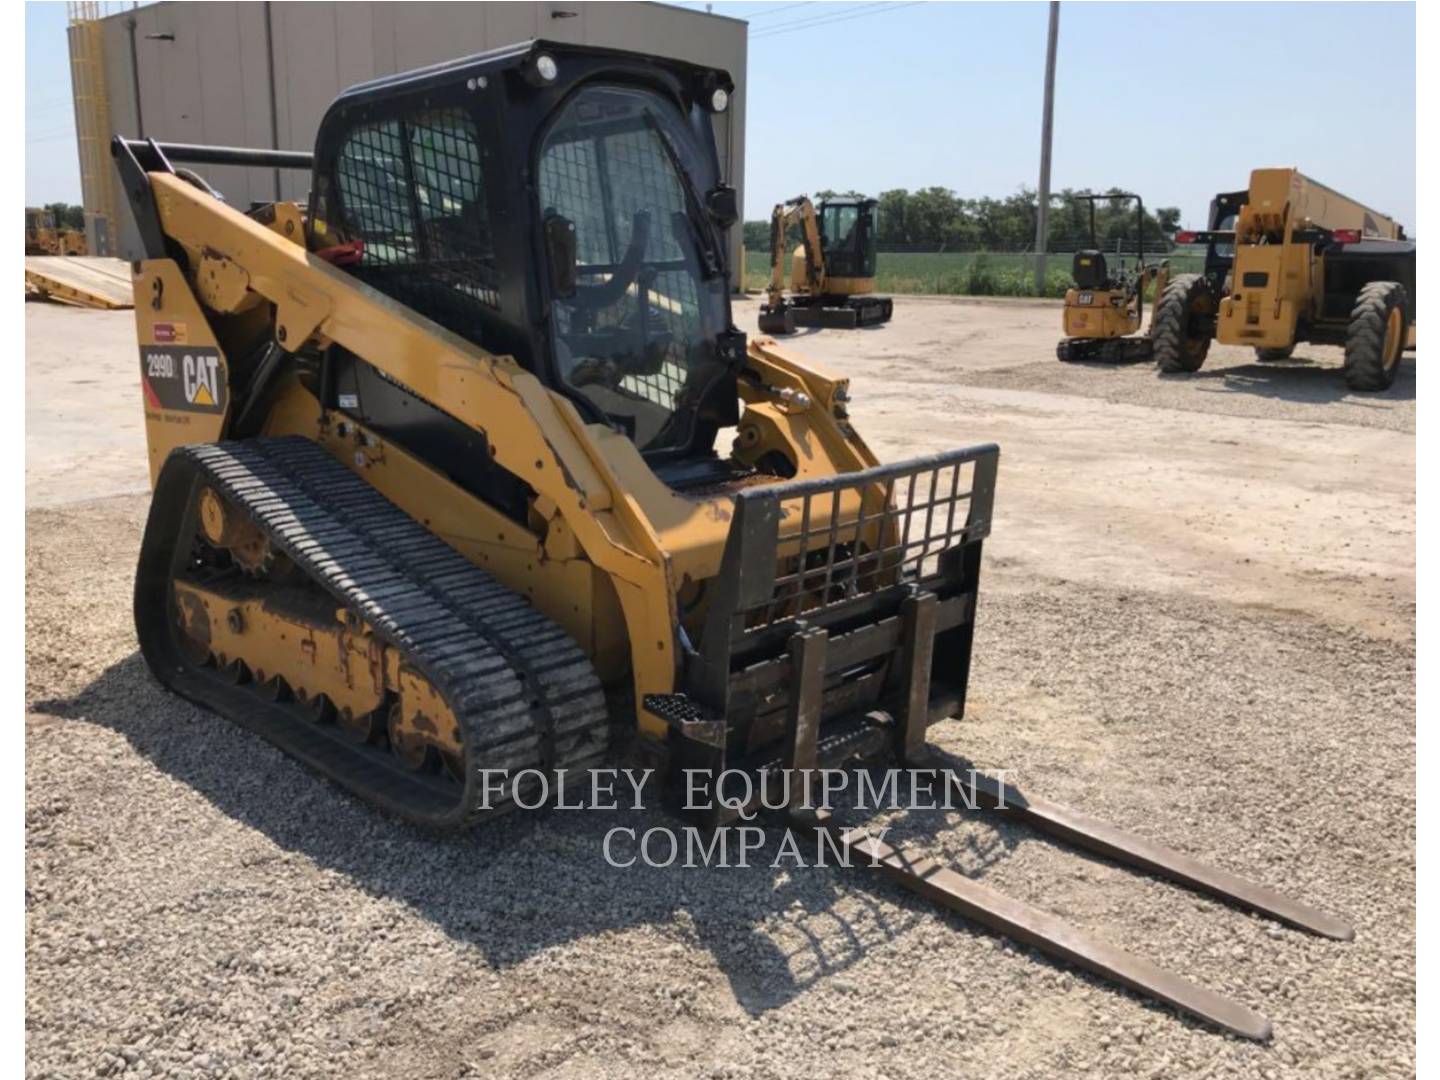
1277,283
1100,313
610,552
832,269
805,281
44,237
435,574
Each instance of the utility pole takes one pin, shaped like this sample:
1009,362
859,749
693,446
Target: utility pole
1047,125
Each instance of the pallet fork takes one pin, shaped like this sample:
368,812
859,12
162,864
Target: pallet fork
931,618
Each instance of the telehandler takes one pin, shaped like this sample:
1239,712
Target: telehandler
1298,262
832,272
1103,310
439,487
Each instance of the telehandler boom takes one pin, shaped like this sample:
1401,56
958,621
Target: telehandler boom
438,489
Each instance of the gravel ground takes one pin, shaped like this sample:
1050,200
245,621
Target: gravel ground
198,905
1231,383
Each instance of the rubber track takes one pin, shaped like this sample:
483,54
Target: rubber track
523,692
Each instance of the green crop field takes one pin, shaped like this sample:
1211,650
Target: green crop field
962,273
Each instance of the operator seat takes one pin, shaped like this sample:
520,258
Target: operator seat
1090,271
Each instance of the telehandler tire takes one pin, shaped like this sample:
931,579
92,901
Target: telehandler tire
1180,344
1270,356
1375,339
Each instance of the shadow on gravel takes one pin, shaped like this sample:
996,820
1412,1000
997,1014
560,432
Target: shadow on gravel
514,887
1297,379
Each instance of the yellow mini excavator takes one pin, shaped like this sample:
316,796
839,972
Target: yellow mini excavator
1105,308
461,469
832,272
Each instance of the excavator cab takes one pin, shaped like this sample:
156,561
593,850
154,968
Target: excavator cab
847,237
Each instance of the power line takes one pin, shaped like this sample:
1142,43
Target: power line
811,17
881,7
764,12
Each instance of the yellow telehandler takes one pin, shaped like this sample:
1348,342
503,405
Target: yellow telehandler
1294,261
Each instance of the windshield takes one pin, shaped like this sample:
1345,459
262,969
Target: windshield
1225,249
637,336
838,224
845,239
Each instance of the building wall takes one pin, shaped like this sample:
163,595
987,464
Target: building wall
211,83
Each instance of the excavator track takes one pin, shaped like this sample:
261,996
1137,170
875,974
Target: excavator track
521,693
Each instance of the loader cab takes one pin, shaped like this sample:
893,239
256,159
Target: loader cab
847,237
559,204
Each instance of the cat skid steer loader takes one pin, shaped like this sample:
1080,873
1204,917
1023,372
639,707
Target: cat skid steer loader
438,489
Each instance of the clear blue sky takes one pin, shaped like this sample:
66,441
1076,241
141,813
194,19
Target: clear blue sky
1175,101
52,165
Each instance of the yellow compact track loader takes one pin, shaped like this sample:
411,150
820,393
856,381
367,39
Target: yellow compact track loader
462,470
1104,309
832,272
1290,260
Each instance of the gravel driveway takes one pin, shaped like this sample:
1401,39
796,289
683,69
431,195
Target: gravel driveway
198,905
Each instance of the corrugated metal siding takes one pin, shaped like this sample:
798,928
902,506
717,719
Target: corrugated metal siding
210,84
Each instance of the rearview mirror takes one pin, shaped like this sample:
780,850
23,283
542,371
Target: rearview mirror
722,206
561,253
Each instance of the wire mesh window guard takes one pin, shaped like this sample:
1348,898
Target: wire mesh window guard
414,191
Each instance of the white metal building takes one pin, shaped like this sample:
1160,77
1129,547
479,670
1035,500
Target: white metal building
262,75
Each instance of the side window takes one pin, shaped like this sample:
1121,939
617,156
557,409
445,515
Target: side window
371,176
449,189
413,189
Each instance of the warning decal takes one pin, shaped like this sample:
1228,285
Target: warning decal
190,379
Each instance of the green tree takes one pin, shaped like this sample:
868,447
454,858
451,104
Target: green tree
67,215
